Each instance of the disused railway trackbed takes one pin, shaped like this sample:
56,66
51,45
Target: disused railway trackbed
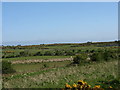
40,60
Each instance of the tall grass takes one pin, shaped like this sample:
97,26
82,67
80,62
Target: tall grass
93,73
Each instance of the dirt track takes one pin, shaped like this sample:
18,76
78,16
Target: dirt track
40,60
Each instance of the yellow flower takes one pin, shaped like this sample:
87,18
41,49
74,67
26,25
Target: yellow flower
110,87
88,86
81,82
68,86
97,86
85,83
81,86
74,85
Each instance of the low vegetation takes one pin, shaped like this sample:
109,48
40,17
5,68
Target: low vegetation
53,65
7,67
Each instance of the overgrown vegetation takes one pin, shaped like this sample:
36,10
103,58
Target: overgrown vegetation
80,58
95,63
56,49
7,67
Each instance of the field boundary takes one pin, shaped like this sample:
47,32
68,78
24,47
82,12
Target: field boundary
40,60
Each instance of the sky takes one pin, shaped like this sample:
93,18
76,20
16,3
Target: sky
58,22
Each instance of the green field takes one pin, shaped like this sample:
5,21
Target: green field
94,73
36,57
55,74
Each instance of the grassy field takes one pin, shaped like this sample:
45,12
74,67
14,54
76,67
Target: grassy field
94,74
38,66
54,74
35,57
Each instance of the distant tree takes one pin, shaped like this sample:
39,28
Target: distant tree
89,43
7,67
19,45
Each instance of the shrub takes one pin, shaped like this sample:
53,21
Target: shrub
107,55
92,51
24,53
59,53
98,56
87,51
38,54
69,53
45,66
9,56
49,53
79,58
78,51
7,67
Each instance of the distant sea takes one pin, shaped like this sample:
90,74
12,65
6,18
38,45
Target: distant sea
23,43
31,43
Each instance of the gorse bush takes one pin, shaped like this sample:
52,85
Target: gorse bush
24,53
49,53
106,56
38,54
69,53
98,56
79,58
7,67
81,85
59,53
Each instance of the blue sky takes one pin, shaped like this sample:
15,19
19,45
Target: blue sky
35,23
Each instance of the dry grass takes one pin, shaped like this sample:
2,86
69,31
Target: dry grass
91,73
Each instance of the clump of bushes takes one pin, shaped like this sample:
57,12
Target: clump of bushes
70,53
49,53
24,53
81,85
98,56
45,66
105,55
7,67
38,54
80,58
59,53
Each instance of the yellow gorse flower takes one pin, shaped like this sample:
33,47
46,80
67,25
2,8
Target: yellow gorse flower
74,85
81,82
68,86
97,86
110,87
88,86
83,85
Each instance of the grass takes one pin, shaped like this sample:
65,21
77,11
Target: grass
56,74
35,57
39,66
94,73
